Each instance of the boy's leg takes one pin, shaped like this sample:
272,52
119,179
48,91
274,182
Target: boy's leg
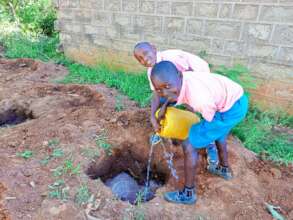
223,152
223,169
187,195
212,155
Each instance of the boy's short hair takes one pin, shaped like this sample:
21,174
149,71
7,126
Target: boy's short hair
142,45
165,71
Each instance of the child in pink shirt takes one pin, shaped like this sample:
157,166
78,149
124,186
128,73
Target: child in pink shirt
148,56
222,104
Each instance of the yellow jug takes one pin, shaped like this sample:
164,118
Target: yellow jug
176,123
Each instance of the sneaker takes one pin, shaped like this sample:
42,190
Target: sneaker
212,154
221,171
186,196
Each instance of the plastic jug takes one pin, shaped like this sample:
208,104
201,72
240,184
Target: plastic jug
177,123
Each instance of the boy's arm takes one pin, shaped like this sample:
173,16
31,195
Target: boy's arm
197,64
155,104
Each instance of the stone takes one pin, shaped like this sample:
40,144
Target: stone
245,12
262,50
217,46
257,32
277,14
147,6
195,26
174,25
101,18
283,34
206,10
226,30
113,5
225,11
286,54
148,23
130,5
121,19
163,7
182,8
234,48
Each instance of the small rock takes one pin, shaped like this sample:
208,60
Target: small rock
57,210
276,173
10,198
32,184
27,172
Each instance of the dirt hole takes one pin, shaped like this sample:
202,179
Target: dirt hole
14,116
125,174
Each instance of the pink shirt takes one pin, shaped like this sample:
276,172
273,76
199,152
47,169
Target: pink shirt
182,60
208,93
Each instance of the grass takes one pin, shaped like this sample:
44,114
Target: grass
256,132
67,168
27,154
58,190
102,142
82,195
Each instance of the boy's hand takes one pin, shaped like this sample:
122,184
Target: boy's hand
163,110
155,124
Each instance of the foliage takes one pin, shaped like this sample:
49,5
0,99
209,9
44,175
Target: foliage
34,16
59,190
102,142
27,154
82,195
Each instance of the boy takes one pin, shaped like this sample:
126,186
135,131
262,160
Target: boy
222,104
148,56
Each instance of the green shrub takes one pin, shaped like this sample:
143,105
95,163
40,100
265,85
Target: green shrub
32,16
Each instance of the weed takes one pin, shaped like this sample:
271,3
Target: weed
102,142
59,190
67,168
53,143
90,153
27,154
82,195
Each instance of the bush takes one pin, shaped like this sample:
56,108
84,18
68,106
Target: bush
36,16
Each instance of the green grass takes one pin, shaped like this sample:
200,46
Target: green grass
27,154
82,195
102,142
256,132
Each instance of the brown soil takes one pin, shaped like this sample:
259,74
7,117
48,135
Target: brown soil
75,114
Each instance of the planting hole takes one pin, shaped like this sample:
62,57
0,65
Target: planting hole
125,174
14,116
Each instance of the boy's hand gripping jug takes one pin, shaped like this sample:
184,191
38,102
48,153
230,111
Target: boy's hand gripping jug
176,123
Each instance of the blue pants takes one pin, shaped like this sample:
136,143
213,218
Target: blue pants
204,133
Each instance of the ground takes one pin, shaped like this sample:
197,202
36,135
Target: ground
81,125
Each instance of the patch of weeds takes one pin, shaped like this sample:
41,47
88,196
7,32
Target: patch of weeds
67,168
102,142
118,103
257,133
90,153
54,152
27,154
58,190
57,153
82,195
53,143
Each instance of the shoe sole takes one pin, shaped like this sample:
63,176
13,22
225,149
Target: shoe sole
181,202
